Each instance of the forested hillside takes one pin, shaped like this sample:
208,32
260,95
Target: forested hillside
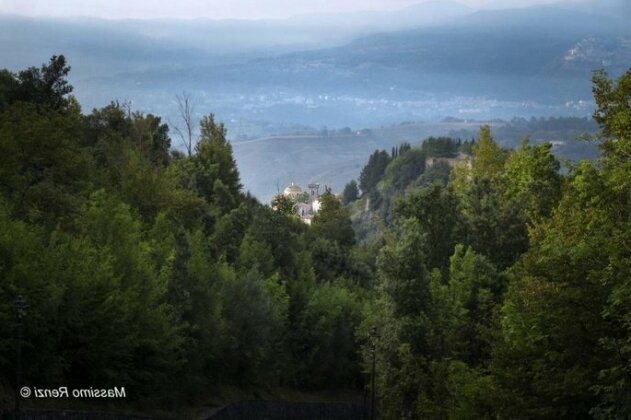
502,285
491,286
150,269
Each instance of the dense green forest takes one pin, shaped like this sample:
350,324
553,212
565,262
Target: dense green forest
148,268
494,286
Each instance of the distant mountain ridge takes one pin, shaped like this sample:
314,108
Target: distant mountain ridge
529,43
208,37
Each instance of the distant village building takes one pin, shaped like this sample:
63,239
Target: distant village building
452,162
292,191
307,203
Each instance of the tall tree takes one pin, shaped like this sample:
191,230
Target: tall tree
372,173
45,86
435,209
216,173
351,192
532,178
151,138
488,157
333,221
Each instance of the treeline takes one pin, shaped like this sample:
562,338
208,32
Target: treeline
568,133
555,123
506,291
147,268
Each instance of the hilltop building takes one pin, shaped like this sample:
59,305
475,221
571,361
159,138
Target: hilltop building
307,203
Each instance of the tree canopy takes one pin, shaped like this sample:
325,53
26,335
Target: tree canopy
497,285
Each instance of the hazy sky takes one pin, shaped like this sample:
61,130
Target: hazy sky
218,9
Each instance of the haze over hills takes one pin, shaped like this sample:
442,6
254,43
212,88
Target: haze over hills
213,38
351,69
361,70
432,12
